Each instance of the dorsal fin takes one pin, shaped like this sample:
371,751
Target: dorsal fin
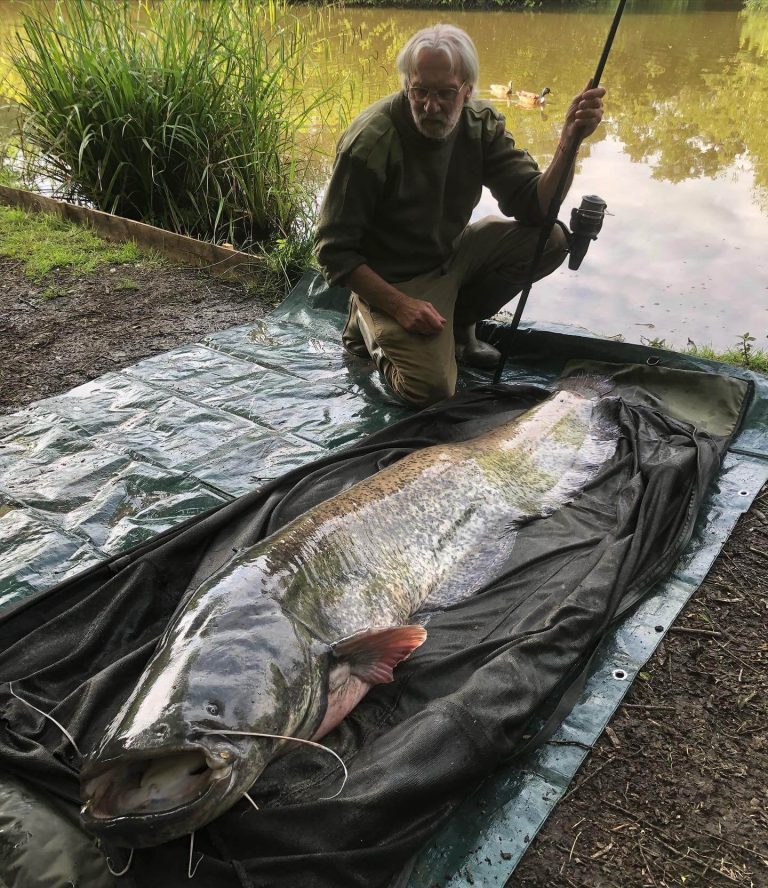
372,654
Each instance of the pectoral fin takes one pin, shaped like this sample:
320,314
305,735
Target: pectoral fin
373,653
361,661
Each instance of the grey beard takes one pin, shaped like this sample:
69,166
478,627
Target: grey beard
446,130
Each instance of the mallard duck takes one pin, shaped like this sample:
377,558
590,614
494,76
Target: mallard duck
532,100
501,91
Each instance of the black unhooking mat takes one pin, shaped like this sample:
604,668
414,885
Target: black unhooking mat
490,671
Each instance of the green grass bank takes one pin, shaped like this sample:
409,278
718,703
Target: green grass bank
44,243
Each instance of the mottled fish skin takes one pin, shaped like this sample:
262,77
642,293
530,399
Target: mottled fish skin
252,649
382,550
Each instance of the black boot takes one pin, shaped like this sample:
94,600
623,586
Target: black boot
473,351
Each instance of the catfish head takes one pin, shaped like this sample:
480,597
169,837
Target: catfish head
224,664
173,758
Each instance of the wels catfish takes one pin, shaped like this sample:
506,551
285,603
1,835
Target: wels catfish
287,637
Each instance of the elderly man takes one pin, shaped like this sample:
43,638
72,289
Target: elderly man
394,224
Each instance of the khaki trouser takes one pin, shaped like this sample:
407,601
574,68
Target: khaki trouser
488,269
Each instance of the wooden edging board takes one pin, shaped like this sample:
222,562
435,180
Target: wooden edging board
219,261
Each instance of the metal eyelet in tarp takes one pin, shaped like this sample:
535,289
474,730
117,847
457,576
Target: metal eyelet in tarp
436,787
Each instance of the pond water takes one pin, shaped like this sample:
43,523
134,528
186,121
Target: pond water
681,159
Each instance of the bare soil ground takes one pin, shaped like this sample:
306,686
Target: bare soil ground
676,790
63,331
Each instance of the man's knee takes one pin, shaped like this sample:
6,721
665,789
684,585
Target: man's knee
553,255
513,263
557,247
423,390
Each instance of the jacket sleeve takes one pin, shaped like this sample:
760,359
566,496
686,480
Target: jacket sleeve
511,175
347,208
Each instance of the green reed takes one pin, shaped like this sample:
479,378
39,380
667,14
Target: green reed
191,116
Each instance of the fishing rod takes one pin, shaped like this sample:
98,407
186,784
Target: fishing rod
585,221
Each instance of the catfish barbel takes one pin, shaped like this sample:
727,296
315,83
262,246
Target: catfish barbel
290,634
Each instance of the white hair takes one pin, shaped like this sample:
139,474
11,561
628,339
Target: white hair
454,42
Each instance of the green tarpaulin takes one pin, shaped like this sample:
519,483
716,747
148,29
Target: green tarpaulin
88,476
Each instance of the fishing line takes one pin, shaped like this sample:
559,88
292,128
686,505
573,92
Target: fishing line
124,870
294,740
190,870
46,715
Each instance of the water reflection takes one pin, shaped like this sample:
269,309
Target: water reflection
678,263
682,159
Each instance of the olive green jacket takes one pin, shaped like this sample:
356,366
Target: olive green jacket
398,201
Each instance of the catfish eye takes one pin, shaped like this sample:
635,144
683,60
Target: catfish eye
212,709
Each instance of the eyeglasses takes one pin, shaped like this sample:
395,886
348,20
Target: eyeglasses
445,96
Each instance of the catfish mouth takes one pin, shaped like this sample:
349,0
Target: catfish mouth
153,785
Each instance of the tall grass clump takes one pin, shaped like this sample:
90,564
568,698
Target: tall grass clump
191,115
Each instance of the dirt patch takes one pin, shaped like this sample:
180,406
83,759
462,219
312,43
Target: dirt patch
675,792
63,331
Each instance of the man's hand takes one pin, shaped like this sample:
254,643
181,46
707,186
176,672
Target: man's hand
418,316
581,120
413,315
584,115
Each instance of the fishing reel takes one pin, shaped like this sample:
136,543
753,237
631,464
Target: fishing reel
586,222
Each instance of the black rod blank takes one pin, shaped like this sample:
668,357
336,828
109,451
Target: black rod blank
554,208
